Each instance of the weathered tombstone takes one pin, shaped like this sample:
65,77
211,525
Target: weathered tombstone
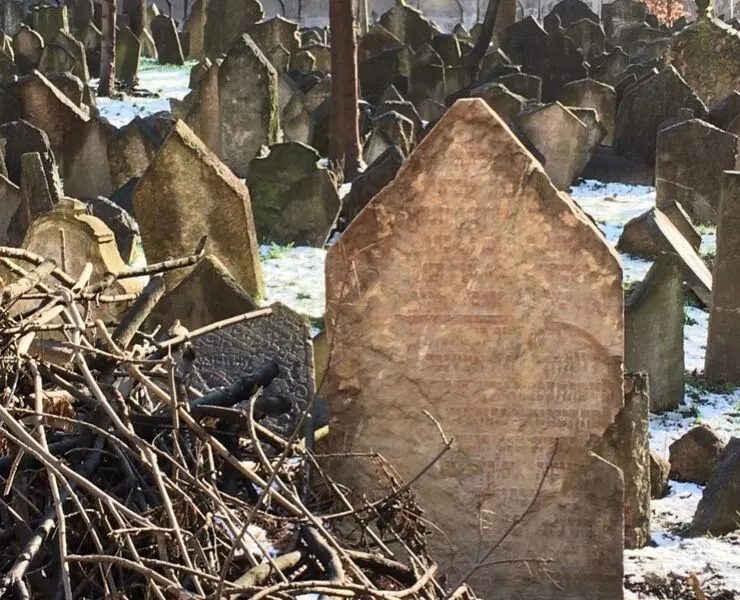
122,225
170,209
450,341
506,103
226,21
719,508
402,108
376,41
723,113
84,160
130,152
652,233
19,138
697,207
28,46
208,294
248,105
694,154
408,25
273,34
80,14
572,11
71,86
37,196
48,20
295,119
525,85
659,470
448,48
245,347
128,51
389,129
626,445
164,32
65,53
589,36
293,199
693,455
587,93
622,14
609,68
195,25
10,201
653,339
560,136
721,362
644,107
681,220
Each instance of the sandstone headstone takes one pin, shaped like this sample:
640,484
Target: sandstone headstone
694,154
560,136
693,455
48,20
719,508
208,294
626,445
293,199
28,46
506,103
248,105
721,362
448,335
644,107
652,233
164,32
588,93
71,86
173,216
525,85
659,470
653,338
128,51
226,21
122,225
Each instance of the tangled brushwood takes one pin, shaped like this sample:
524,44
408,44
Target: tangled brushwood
121,480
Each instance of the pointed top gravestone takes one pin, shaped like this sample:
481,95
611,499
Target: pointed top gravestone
472,289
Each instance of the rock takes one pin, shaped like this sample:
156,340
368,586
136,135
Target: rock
719,507
721,363
164,32
694,454
172,215
293,199
447,329
659,470
653,322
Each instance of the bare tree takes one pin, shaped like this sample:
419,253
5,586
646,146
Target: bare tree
185,11
344,132
486,35
137,15
108,49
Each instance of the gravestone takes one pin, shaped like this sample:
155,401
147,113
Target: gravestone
506,103
128,51
48,20
248,105
295,119
572,11
130,152
589,36
80,14
195,25
164,32
681,220
376,41
84,164
609,68
28,46
226,21
408,25
275,35
20,137
559,63
653,322
651,233
388,130
36,192
721,362
644,107
693,455
626,444
65,53
447,331
293,199
622,14
694,154
560,137
588,93
122,225
208,294
72,87
723,113
697,207
245,347
172,214
659,470
525,85
10,201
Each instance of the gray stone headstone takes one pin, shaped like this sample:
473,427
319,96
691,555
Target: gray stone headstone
164,32
226,21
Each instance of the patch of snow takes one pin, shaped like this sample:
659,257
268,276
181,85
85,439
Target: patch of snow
294,276
695,338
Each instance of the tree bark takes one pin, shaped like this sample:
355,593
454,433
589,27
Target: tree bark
486,35
344,114
108,50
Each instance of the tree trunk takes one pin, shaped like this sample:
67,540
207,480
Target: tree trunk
108,50
344,131
136,11
486,35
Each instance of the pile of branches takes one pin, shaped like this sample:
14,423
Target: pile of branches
122,480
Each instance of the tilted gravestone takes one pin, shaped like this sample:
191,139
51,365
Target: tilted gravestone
408,25
164,32
170,207
20,137
506,103
293,199
28,46
588,93
589,36
510,334
609,68
721,363
248,105
128,51
85,164
526,85
48,20
654,332
65,53
226,21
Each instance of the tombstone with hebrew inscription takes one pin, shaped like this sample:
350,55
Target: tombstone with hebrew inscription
470,288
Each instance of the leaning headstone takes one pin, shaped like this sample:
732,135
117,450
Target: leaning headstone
85,165
408,25
560,136
558,63
526,85
693,455
588,93
718,512
626,444
248,105
65,53
170,209
651,233
243,348
694,154
226,21
697,207
128,50
164,32
447,334
48,20
71,86
653,337
506,103
130,152
721,362
589,36
10,201
121,224
293,199
609,68
681,220
644,107
37,196
208,294
28,46
19,138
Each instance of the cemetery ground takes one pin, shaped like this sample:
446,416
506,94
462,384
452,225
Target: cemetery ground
295,277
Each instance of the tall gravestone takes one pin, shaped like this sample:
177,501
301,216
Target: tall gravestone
472,289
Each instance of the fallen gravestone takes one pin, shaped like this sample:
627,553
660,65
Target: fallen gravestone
173,216
653,322
294,201
693,455
447,330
